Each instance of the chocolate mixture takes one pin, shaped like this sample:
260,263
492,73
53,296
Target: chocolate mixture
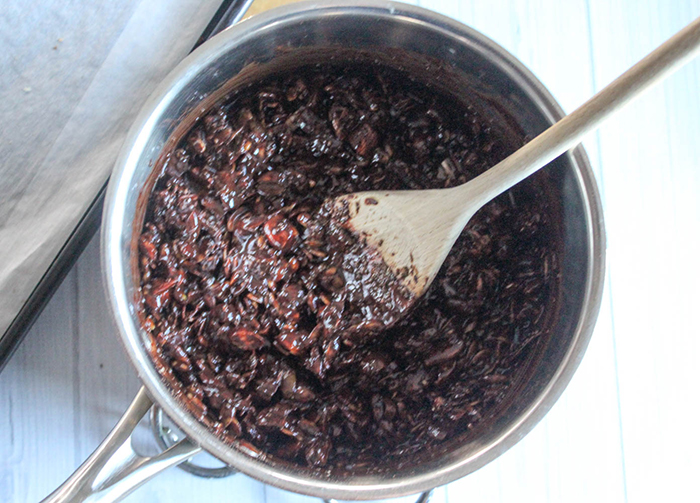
260,313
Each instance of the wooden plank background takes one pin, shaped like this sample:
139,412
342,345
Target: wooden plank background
625,428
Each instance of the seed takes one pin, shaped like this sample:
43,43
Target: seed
313,243
234,427
364,140
317,253
445,354
292,342
223,136
303,394
373,363
304,219
266,388
274,416
147,247
198,142
257,300
281,233
317,453
246,339
480,356
249,448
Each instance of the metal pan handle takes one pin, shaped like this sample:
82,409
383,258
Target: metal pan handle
115,469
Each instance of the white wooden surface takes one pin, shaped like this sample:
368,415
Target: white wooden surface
625,428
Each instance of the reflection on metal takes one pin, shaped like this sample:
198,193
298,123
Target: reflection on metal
166,436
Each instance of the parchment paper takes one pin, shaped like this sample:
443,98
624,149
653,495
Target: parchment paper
72,77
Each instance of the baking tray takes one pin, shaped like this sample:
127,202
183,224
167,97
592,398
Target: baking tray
229,12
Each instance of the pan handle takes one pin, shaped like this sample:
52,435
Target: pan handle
115,469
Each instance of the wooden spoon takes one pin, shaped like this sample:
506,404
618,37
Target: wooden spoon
415,230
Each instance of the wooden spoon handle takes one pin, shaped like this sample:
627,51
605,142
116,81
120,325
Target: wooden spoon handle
567,133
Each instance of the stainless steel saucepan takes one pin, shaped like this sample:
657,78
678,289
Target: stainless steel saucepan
456,58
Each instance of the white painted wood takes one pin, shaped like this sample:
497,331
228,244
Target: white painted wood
38,406
652,148
624,430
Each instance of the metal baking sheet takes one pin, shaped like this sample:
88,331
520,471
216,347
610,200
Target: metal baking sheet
76,76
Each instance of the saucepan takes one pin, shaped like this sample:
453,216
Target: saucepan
423,42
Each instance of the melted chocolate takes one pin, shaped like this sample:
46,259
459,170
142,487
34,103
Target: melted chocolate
263,316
